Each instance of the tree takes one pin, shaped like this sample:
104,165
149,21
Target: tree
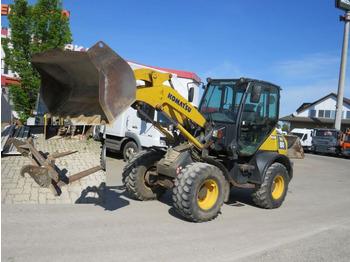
34,29
285,127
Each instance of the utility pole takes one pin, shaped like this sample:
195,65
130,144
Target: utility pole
344,5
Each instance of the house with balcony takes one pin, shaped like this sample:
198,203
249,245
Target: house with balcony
320,113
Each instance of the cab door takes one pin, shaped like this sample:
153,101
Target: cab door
259,116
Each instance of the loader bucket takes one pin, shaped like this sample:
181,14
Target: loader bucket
295,149
94,86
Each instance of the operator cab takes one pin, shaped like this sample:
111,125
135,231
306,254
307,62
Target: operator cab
245,110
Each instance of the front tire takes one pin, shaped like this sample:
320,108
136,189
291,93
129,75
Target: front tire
96,133
103,157
272,192
129,150
135,172
199,192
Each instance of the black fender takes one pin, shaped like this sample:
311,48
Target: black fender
262,160
172,168
135,138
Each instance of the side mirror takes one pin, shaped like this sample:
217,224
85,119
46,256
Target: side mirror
190,94
255,95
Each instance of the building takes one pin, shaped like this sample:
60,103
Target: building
7,77
320,113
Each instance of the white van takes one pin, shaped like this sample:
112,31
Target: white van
305,136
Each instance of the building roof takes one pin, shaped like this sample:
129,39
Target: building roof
5,80
314,120
179,73
305,106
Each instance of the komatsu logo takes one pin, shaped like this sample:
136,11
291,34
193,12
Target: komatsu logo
179,102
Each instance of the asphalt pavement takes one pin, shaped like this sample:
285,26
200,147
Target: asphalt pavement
313,224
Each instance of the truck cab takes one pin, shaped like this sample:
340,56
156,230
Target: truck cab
326,140
346,144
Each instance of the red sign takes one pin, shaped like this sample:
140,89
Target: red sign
5,10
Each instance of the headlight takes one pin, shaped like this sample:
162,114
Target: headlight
218,132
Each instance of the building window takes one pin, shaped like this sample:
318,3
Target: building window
333,114
327,113
313,113
320,113
347,114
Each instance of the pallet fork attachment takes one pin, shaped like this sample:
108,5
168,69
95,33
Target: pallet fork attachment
43,170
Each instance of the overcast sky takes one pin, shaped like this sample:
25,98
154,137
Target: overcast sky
295,44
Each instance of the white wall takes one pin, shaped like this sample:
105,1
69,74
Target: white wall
328,104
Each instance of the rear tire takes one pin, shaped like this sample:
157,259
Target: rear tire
272,192
199,192
135,172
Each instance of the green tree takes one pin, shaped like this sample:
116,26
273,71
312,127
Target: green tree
34,28
285,127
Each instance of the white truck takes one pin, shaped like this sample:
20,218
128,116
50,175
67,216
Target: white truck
305,136
129,133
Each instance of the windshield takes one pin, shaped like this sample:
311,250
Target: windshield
347,138
300,135
325,133
221,100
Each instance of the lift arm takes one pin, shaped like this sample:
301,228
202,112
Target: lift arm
166,99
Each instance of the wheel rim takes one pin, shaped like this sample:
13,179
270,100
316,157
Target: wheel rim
150,170
207,194
129,152
277,187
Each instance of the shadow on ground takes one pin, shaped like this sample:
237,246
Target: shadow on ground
108,197
240,197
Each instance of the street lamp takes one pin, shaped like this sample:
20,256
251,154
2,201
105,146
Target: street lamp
344,5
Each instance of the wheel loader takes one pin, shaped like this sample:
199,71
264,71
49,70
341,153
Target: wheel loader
230,140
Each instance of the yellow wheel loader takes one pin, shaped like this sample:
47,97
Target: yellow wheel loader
230,140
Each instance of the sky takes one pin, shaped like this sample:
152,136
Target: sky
294,44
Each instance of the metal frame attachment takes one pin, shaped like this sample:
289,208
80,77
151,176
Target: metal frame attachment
43,170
